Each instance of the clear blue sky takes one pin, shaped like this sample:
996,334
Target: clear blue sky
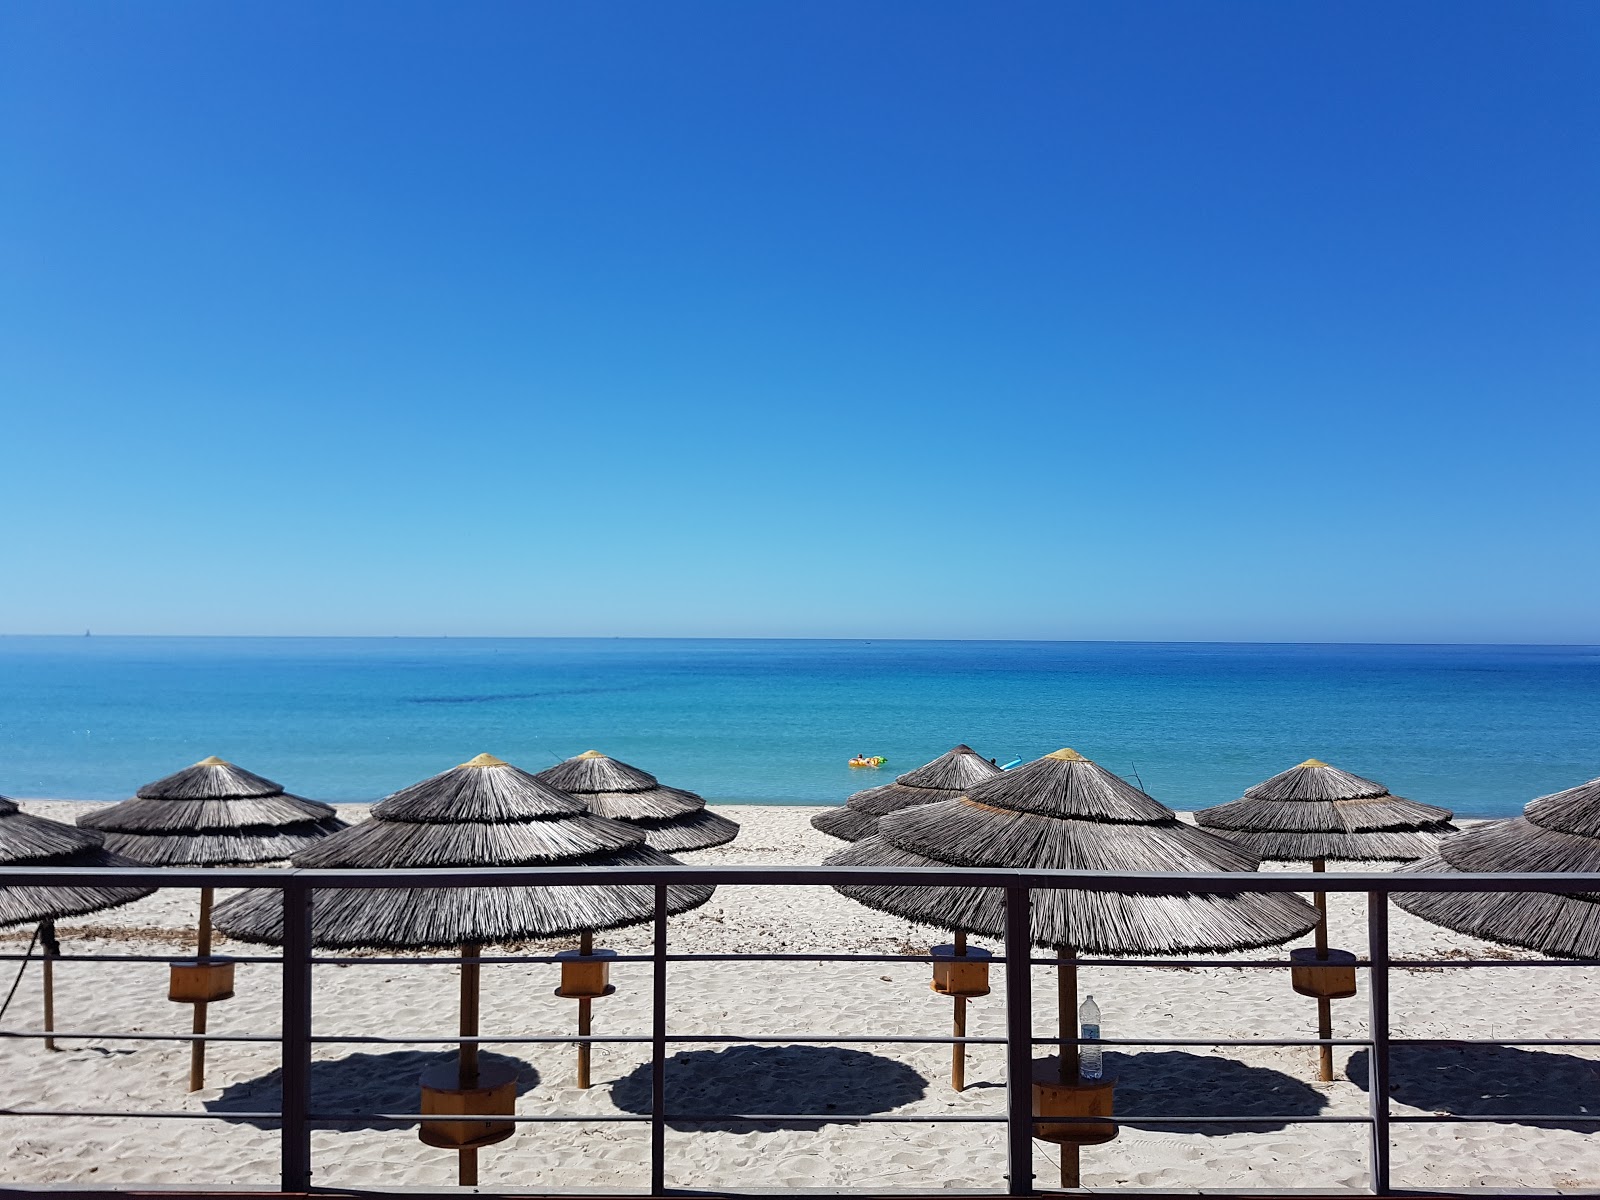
1154,321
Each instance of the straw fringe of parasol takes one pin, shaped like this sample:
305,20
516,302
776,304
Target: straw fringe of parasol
26,840
212,814
1316,811
29,841
443,918
671,819
1063,811
483,813
1558,832
945,778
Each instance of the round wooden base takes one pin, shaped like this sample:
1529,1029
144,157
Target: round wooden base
960,975
495,1093
610,990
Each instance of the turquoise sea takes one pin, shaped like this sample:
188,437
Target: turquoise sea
1480,729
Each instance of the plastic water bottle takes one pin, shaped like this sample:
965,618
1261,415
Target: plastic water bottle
1089,1066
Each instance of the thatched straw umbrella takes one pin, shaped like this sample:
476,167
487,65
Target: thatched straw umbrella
671,819
28,841
1558,832
482,813
209,815
1313,813
1064,812
945,778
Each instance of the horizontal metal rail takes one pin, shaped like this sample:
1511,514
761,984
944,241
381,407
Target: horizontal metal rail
299,886
1143,882
1162,963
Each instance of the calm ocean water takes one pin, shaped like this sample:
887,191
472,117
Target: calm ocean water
1480,729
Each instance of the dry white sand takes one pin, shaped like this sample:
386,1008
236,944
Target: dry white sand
785,1000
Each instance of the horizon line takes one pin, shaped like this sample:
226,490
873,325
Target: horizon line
601,637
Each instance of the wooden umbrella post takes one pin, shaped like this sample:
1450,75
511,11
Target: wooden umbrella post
52,951
1324,1004
197,1048
1323,974
201,982
1067,1019
585,1016
467,1104
467,1068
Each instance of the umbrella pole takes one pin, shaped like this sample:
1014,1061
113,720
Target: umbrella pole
197,1048
52,949
585,1014
467,1070
1067,1058
958,1052
1324,1005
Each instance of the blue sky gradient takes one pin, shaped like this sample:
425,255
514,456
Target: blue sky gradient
1155,321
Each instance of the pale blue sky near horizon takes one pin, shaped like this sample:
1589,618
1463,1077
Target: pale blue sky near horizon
1170,321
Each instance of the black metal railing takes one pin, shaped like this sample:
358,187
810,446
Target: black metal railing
296,1115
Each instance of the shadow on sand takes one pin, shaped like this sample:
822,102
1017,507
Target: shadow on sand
356,1083
1483,1080
808,1082
1171,1083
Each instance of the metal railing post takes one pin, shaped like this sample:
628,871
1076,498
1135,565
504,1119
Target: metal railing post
1019,1045
658,1050
1378,1020
295,1169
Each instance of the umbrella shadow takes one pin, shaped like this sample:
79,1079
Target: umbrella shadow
356,1083
1482,1080
1171,1083
808,1082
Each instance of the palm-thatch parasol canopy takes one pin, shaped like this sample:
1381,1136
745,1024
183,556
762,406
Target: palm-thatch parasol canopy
29,841
945,778
212,814
483,813
1316,811
671,819
1559,832
1063,811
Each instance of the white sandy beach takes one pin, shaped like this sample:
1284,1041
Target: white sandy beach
796,999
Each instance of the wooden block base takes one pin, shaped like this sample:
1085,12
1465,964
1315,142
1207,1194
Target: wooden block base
1085,1098
201,982
495,1094
963,975
585,976
1329,978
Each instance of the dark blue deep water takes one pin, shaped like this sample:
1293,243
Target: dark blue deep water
1481,729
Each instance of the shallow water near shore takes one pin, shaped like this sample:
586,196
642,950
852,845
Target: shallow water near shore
1481,729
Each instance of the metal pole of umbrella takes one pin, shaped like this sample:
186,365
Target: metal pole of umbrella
1067,1056
1324,1004
958,1052
467,1071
